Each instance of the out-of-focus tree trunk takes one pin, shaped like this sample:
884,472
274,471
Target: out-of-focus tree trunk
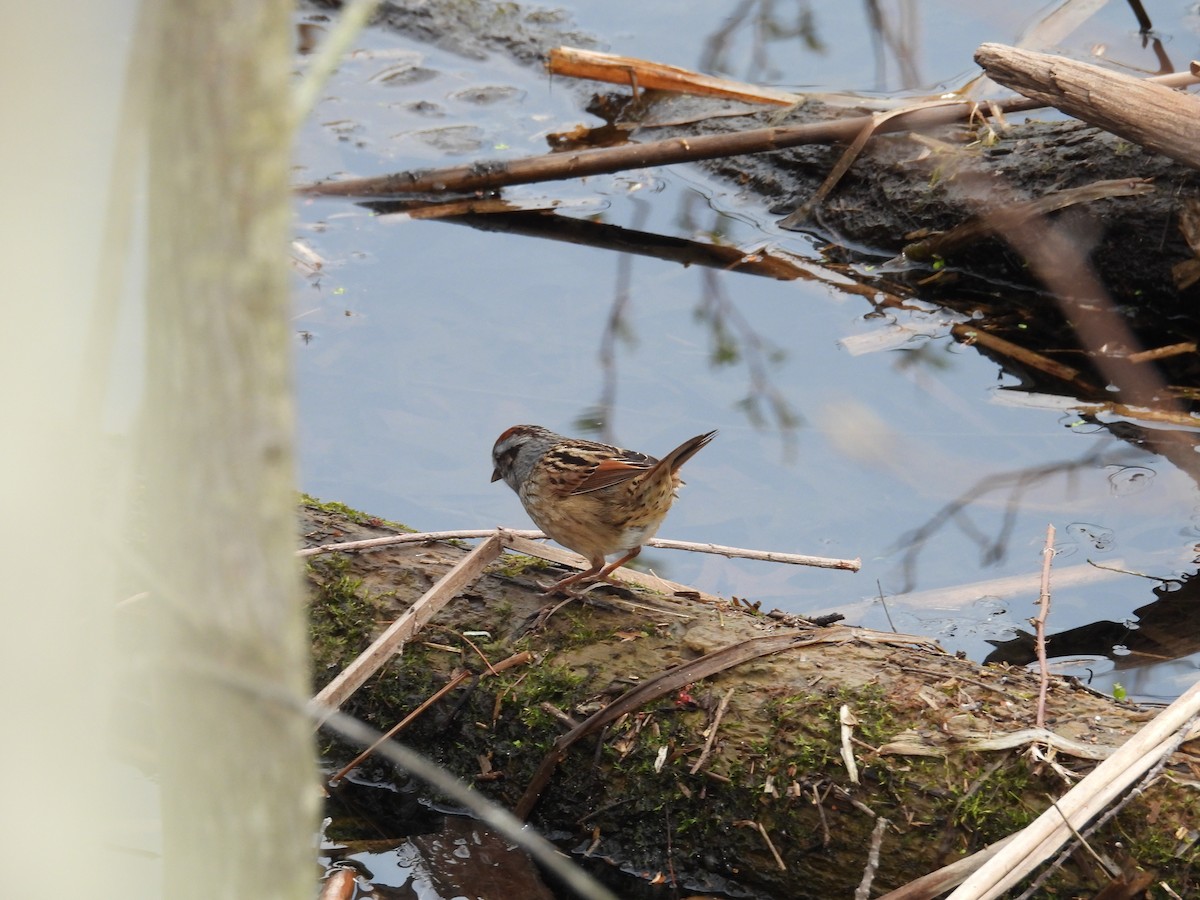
148,457
238,785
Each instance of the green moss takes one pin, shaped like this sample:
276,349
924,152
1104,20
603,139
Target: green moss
354,515
342,615
513,565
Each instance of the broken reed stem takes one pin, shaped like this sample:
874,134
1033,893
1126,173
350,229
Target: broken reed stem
712,731
795,559
1040,624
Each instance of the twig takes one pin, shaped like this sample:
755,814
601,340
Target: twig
458,792
433,698
963,678
608,67
412,620
937,882
757,826
863,891
1107,866
423,537
517,659
712,732
883,602
1040,624
970,335
795,559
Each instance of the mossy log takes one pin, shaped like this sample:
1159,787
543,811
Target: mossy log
771,810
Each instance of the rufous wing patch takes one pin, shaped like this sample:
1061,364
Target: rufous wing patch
609,472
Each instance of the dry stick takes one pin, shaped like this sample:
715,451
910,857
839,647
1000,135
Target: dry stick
1083,802
608,67
517,659
795,559
863,891
968,334
1148,115
487,176
712,732
423,537
605,160
1040,624
433,698
757,826
523,539
513,538
1162,352
351,678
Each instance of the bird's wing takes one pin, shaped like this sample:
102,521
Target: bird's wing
581,472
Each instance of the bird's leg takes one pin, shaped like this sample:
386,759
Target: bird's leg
597,568
604,573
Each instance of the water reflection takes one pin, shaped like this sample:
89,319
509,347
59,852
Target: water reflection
454,335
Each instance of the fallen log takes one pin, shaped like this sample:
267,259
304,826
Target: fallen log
720,741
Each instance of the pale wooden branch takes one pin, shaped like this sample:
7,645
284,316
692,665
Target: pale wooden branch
1150,115
392,641
1106,782
795,559
1039,625
415,537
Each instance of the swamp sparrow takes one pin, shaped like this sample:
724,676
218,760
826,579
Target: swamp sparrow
590,497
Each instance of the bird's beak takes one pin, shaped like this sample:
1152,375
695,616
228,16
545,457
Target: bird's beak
496,476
